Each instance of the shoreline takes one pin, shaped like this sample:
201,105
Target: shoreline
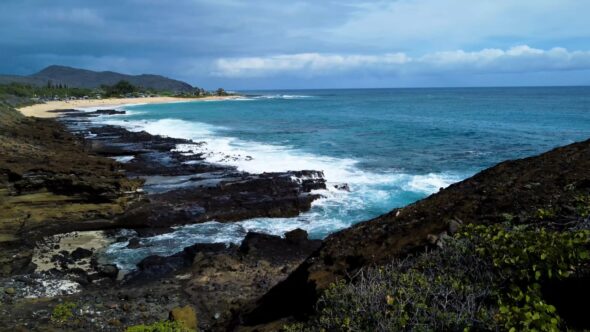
44,110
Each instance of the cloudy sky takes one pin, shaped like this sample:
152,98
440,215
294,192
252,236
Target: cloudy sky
306,44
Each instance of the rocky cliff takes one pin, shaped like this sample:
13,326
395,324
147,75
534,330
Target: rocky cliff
49,184
539,190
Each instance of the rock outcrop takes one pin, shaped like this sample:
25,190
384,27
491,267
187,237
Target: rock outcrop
49,183
516,190
185,188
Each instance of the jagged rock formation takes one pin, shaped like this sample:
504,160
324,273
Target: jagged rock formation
49,183
515,189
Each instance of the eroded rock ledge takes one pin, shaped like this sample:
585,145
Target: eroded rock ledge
516,189
87,179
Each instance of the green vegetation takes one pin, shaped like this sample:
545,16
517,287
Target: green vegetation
63,312
21,94
49,91
120,89
546,213
484,278
221,92
582,205
161,326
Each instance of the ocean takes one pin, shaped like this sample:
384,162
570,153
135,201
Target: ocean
390,146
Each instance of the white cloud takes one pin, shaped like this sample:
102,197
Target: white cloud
491,60
427,25
77,16
303,62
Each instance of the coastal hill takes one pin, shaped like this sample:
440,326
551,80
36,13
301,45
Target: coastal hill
523,215
82,78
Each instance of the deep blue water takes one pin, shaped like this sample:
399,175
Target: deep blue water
392,146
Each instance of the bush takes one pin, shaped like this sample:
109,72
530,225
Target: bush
120,89
485,278
161,326
445,289
63,312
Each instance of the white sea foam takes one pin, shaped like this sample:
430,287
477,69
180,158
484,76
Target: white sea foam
257,157
370,193
123,159
282,96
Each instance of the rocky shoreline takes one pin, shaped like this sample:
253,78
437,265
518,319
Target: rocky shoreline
68,194
166,188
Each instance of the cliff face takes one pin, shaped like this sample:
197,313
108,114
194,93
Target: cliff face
518,190
49,183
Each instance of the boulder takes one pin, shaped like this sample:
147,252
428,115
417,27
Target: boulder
108,270
80,253
134,243
296,236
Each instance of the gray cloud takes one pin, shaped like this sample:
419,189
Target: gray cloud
516,59
221,42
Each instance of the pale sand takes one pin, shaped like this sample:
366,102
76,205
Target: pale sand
41,110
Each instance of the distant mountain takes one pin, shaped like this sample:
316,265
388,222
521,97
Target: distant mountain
82,78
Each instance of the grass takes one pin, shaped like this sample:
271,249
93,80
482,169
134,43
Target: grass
161,326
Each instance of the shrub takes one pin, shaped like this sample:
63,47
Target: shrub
427,292
63,312
161,326
582,205
485,278
546,213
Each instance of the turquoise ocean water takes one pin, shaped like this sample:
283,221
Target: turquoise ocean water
391,146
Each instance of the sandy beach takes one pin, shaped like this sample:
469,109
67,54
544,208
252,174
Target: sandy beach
42,110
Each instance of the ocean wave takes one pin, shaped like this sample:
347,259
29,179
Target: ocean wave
370,193
255,157
281,96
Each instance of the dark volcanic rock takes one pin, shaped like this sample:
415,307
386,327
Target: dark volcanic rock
113,140
277,249
250,196
154,266
49,183
108,112
108,270
296,236
134,243
222,282
516,188
80,253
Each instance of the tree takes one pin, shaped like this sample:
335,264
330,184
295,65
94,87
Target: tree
221,92
121,88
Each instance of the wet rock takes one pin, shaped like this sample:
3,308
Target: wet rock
10,291
108,112
266,195
342,186
134,243
121,239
